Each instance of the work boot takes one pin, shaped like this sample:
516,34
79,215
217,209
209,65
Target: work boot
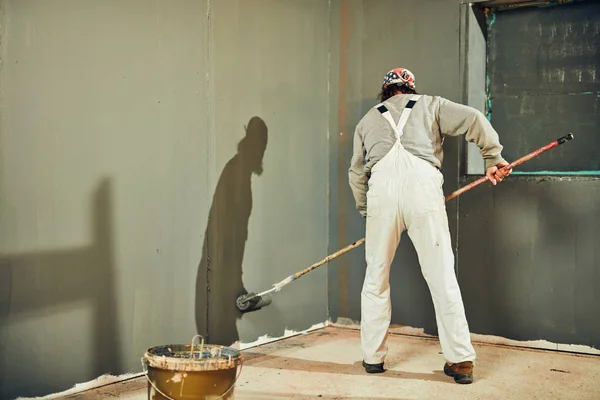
373,368
462,372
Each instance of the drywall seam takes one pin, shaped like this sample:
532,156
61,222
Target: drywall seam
539,178
344,49
210,155
2,54
592,173
463,78
328,197
346,323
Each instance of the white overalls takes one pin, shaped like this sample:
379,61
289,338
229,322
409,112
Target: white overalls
405,193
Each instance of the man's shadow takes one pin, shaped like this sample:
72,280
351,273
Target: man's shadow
219,279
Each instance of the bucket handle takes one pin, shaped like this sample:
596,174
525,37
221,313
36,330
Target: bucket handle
201,346
145,372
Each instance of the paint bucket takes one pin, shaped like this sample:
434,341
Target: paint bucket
189,371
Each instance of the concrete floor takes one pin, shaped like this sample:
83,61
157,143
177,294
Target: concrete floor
325,364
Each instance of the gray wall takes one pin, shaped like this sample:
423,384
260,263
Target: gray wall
374,37
121,180
535,276
130,213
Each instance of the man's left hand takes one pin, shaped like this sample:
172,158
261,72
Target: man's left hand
497,173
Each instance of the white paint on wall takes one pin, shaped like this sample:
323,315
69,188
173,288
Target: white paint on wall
268,339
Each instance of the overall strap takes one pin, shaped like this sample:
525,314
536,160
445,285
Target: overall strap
398,129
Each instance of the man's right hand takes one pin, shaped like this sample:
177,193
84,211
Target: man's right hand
497,173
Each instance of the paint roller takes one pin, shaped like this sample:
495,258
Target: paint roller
255,301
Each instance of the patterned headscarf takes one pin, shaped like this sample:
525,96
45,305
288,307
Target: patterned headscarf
399,75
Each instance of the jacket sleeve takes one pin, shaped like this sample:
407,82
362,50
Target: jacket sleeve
456,119
356,174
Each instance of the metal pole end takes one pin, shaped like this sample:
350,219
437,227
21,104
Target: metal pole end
565,138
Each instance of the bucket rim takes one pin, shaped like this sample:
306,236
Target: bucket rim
178,357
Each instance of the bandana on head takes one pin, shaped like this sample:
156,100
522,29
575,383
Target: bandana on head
399,75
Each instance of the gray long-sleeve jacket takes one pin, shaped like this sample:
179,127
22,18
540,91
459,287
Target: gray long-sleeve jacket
430,120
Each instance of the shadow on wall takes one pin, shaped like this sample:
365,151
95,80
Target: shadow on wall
219,279
58,314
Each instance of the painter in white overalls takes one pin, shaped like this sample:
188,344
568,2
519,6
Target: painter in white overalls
397,185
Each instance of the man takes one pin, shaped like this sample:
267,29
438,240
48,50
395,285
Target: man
397,185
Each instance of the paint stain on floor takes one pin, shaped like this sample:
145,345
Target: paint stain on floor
325,364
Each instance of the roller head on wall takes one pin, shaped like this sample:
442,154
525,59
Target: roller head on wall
252,302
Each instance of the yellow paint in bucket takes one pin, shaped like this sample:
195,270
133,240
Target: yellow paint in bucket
186,371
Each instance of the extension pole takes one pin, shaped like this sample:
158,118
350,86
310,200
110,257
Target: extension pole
243,302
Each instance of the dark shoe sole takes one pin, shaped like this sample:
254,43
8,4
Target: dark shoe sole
459,378
463,378
373,368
